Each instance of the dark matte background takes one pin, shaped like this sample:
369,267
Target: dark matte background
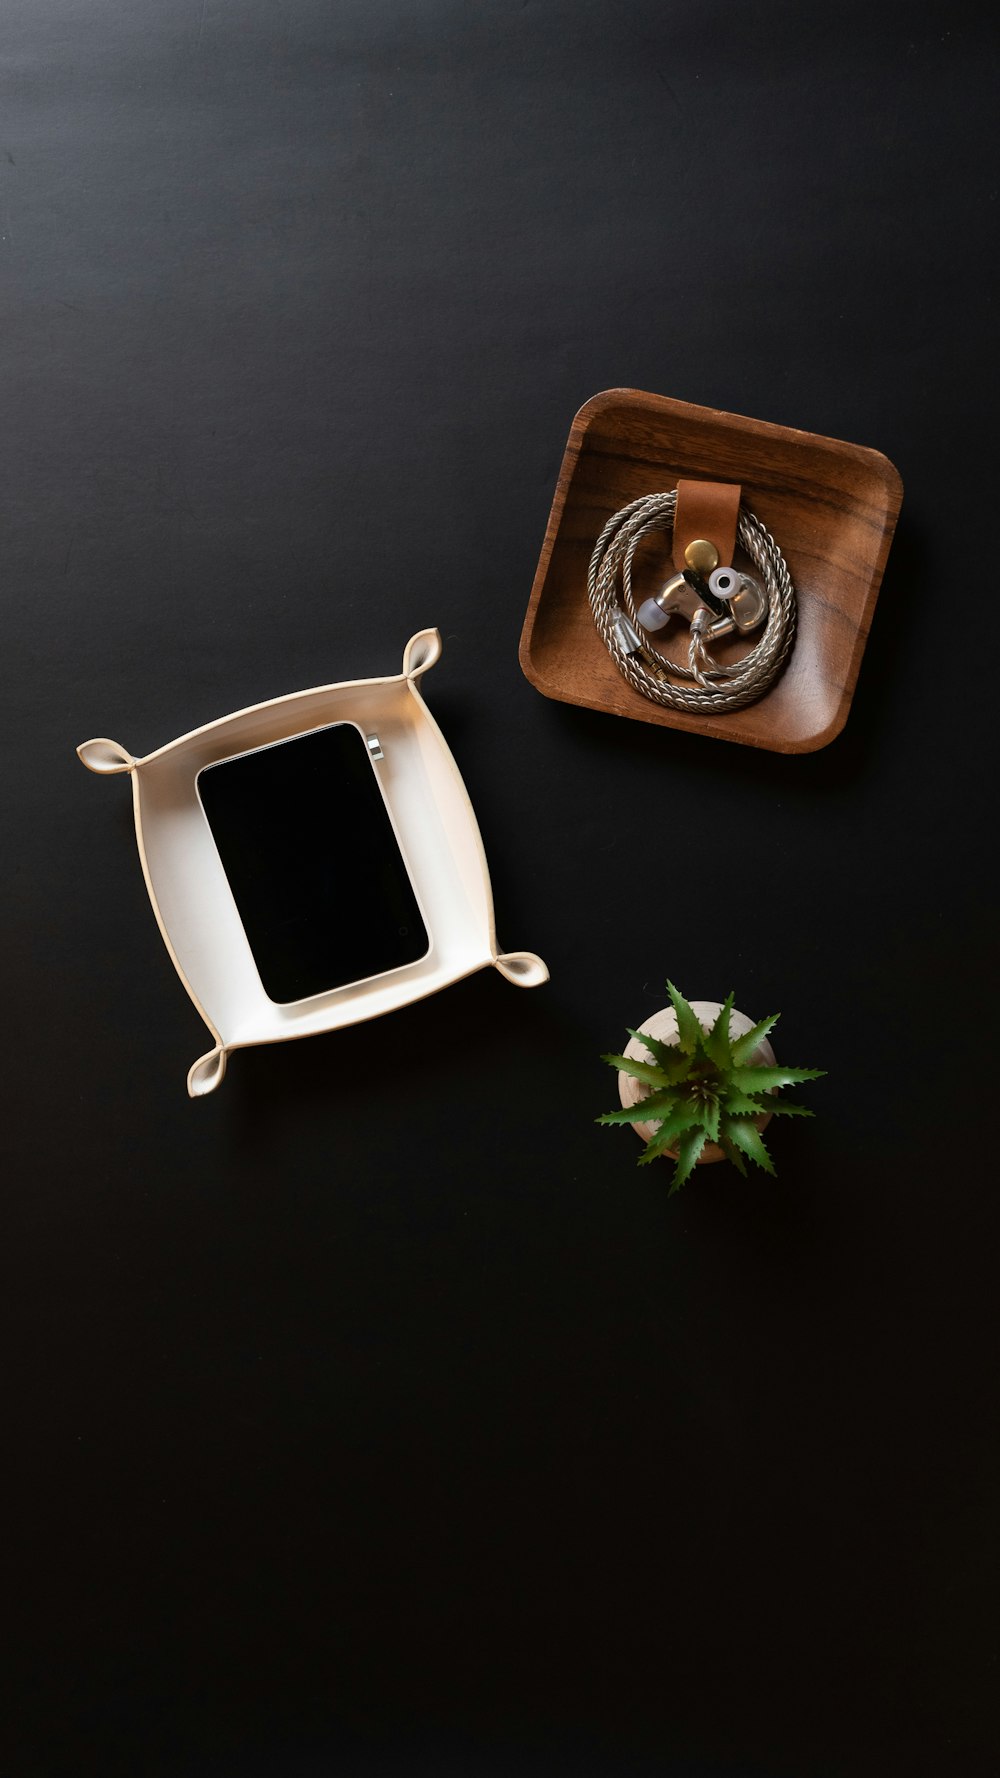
376,1416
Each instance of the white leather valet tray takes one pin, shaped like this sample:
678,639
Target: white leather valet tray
434,825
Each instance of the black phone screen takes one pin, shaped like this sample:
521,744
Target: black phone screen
313,863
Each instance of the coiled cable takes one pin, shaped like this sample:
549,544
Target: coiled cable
609,587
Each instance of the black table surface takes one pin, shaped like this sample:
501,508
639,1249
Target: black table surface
377,1416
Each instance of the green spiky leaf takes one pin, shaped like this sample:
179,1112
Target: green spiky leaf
671,1061
743,1133
663,1053
716,1043
745,1105
689,1031
743,1047
647,1072
644,1110
761,1080
732,1153
685,1117
688,1155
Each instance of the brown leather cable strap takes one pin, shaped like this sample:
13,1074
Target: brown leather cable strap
706,509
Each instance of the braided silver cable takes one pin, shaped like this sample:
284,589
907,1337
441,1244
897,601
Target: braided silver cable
645,670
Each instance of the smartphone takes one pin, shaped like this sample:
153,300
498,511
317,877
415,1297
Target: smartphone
307,843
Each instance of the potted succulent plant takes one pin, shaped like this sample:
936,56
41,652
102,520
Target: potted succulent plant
699,1082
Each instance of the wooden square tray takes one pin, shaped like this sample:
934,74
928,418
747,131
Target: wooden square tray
831,507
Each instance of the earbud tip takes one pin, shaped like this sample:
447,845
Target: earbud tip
651,616
725,583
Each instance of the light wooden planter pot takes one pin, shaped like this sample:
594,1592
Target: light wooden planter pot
663,1025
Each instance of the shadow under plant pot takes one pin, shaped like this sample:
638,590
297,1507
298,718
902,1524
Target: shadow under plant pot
663,1026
